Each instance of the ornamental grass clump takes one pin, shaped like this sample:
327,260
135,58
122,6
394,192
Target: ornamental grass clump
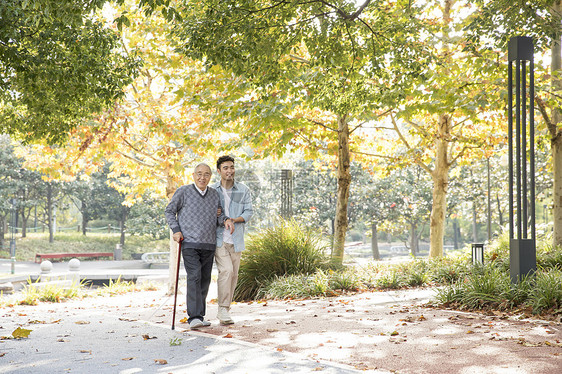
547,293
52,293
286,249
489,286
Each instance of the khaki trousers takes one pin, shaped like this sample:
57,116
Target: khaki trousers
228,263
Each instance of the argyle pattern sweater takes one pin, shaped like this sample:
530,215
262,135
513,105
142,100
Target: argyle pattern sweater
195,215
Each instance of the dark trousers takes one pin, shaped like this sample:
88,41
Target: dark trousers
198,265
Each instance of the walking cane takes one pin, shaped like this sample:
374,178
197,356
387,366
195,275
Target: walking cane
176,288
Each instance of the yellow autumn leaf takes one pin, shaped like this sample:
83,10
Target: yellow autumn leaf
20,333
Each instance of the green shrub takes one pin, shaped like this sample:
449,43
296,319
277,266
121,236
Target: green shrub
516,294
390,279
445,270
53,293
286,249
485,287
450,294
297,286
547,292
549,257
344,280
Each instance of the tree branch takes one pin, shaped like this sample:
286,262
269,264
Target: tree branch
552,129
134,159
350,17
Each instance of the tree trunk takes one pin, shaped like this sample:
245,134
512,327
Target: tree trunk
50,213
440,176
23,224
413,239
474,224
2,229
124,215
455,236
344,182
375,242
556,142
500,214
85,217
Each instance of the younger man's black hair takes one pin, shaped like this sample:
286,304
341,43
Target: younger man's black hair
223,159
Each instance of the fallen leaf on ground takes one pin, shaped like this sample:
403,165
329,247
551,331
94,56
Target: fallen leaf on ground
127,358
85,351
2,354
21,333
228,336
82,322
183,320
146,337
394,333
160,361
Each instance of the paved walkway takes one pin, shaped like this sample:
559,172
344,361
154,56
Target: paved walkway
374,332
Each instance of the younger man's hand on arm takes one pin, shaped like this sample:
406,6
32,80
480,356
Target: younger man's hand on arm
229,224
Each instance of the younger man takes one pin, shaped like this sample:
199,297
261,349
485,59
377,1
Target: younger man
236,199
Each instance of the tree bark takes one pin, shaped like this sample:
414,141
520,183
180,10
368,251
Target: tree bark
122,226
2,229
413,239
474,223
556,140
375,242
500,213
440,176
85,217
344,182
50,217
23,224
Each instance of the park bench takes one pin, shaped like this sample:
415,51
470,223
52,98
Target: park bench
42,256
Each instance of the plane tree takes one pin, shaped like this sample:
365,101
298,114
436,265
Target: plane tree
312,72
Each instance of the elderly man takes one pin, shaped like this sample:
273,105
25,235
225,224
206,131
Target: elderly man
192,217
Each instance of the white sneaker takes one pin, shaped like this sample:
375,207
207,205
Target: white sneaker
224,317
195,324
206,323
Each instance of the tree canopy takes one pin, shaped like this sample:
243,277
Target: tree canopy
59,65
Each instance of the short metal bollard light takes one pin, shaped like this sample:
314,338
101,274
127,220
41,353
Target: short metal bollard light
118,252
478,253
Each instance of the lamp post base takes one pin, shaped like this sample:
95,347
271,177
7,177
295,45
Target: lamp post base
522,259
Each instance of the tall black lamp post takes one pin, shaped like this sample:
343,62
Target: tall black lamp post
522,248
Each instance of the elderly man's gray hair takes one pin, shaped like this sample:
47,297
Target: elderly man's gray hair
202,164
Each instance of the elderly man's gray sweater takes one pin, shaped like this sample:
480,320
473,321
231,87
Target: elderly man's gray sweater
195,215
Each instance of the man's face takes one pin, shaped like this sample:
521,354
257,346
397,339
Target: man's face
202,176
226,171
